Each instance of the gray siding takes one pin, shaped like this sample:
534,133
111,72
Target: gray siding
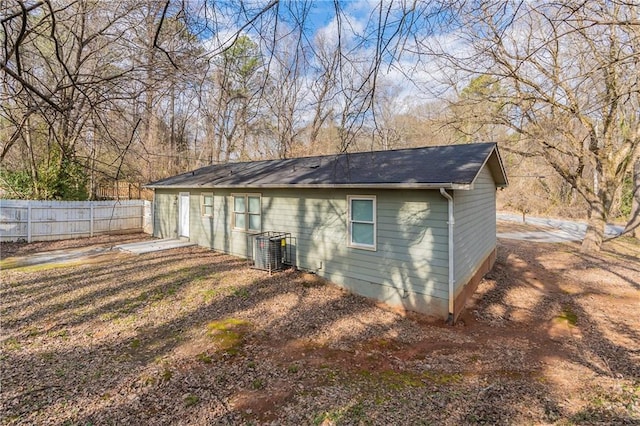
409,267
474,234
165,214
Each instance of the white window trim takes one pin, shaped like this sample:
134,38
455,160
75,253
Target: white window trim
202,205
246,213
350,242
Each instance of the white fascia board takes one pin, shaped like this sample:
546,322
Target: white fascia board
449,185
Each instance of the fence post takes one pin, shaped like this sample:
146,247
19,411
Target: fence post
91,217
28,221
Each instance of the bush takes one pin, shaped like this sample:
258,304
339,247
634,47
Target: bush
56,180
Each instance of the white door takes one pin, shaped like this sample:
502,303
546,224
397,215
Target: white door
183,213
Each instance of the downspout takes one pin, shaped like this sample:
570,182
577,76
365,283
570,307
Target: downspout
450,224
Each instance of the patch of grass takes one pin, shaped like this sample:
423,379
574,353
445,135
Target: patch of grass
327,417
442,378
356,412
135,344
203,357
351,414
203,274
227,323
228,334
11,344
163,293
147,380
191,400
32,331
380,400
624,395
257,384
209,294
402,379
127,320
293,368
605,405
166,375
9,263
109,316
242,293
568,315
394,379
17,266
63,334
399,380
130,307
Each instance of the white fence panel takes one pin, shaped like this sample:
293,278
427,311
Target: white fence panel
56,220
147,222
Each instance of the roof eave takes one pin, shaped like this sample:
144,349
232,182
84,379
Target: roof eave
445,185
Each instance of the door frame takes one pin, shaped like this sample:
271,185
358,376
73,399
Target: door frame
183,231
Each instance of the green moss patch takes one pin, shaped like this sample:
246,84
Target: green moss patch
404,379
191,400
568,316
228,334
19,266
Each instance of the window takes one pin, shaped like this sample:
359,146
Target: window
362,222
206,202
246,212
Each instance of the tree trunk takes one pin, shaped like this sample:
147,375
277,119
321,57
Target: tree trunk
33,167
633,225
595,228
172,123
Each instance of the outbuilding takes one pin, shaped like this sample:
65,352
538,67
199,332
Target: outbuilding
414,228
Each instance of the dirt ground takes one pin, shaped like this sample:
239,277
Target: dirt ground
191,336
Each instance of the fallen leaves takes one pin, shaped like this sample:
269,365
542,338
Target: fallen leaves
190,336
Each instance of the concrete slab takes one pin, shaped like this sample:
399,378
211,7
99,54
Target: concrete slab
153,245
54,257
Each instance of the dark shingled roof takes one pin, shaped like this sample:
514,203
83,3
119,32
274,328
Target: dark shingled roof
451,166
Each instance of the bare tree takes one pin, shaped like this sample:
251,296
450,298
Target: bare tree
633,225
323,85
110,86
234,96
568,89
287,90
91,89
59,69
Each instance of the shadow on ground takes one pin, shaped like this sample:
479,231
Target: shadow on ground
190,336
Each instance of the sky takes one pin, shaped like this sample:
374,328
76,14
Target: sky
416,81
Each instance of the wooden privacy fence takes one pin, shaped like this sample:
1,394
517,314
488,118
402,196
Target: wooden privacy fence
27,220
123,191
